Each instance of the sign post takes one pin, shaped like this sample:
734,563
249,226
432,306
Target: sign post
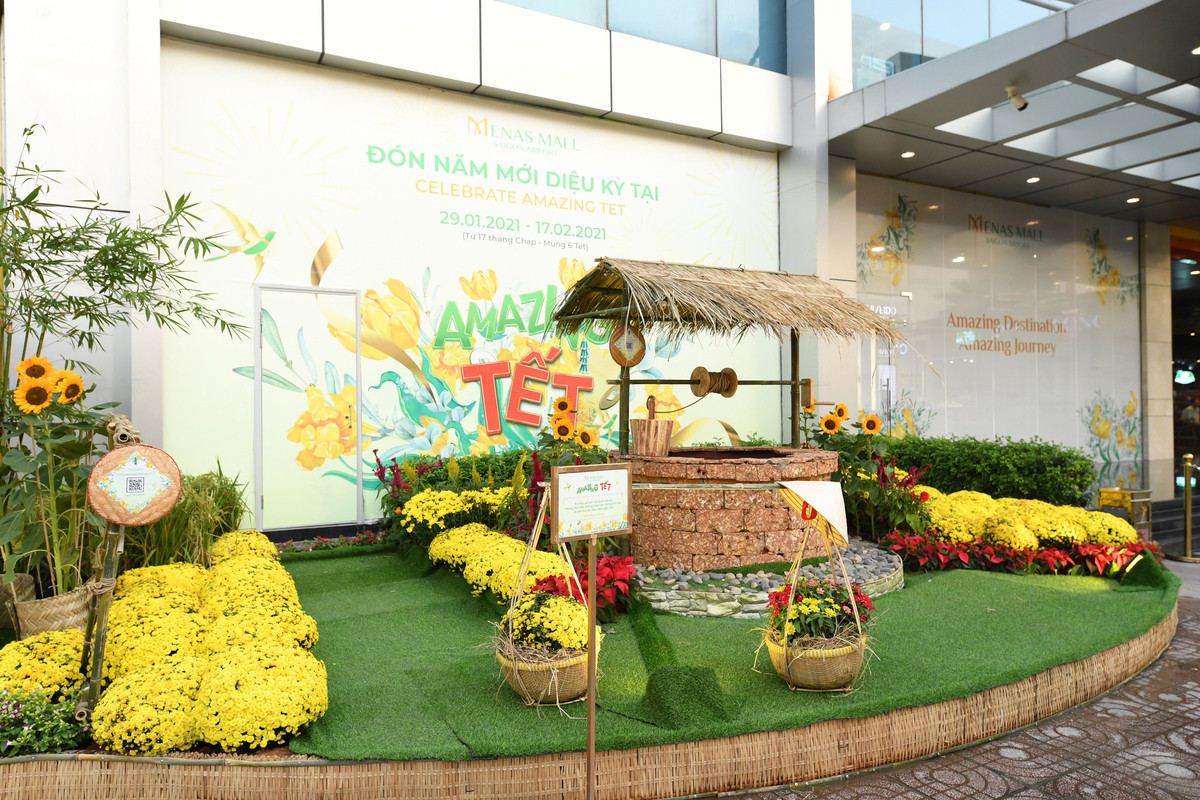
586,502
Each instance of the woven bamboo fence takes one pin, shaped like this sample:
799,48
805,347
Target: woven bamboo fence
769,758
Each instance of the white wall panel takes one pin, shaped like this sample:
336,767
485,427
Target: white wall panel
756,107
544,60
665,87
65,69
416,40
289,28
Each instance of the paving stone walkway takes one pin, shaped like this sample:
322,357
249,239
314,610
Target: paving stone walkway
1141,742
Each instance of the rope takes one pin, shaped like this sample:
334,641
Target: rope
101,586
704,382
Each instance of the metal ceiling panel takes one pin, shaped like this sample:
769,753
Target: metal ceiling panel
964,169
1098,129
878,151
1079,191
1118,202
1170,169
1185,97
1016,183
1180,139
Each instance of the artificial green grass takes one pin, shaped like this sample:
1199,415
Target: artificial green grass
411,677
655,649
676,695
1145,574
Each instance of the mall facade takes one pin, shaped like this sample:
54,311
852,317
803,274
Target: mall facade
409,186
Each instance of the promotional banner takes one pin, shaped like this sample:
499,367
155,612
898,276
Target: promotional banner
463,220
1021,321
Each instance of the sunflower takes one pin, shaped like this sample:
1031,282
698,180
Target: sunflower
33,395
35,367
871,425
68,385
810,409
586,438
830,423
841,411
563,429
562,405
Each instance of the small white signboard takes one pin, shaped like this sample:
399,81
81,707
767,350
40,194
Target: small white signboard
590,500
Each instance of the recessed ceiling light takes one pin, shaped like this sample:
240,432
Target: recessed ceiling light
1134,200
959,259
885,26
1034,179
1196,51
1032,222
931,208
1196,272
907,154
1129,238
876,249
1035,255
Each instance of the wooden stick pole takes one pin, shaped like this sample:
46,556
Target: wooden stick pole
591,666
795,354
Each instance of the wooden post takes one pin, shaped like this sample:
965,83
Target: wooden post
93,644
623,414
591,668
795,387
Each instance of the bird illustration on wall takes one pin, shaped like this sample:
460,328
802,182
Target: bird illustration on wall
253,243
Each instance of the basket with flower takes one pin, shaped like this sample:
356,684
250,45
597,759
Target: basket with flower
542,648
825,626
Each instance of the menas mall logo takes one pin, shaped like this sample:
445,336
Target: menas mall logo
512,138
1004,234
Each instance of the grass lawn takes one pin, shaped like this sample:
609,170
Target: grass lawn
411,677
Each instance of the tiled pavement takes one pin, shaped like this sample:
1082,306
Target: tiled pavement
1140,741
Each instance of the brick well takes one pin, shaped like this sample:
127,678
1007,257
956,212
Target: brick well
703,529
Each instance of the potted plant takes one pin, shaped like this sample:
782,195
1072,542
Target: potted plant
542,648
817,635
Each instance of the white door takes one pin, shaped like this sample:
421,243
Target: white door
308,410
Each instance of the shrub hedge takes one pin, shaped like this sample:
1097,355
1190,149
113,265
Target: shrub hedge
1031,469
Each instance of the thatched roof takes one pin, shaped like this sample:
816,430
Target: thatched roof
684,299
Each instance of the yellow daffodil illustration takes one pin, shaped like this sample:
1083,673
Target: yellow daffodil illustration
394,316
482,286
570,271
326,429
1132,406
666,405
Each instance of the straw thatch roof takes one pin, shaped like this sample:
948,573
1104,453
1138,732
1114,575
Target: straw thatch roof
684,299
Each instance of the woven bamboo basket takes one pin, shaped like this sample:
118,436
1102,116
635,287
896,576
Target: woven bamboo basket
59,613
20,590
549,683
818,670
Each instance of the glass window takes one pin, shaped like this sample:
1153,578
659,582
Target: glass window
691,24
753,32
589,12
951,25
1009,15
886,38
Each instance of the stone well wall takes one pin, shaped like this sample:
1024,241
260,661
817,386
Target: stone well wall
702,529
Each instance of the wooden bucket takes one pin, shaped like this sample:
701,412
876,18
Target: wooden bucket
651,437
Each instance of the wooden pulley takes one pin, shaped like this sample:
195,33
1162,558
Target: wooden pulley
724,383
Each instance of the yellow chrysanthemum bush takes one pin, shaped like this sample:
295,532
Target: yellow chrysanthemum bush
48,663
1009,531
219,656
490,561
965,516
258,694
433,511
243,543
152,711
549,622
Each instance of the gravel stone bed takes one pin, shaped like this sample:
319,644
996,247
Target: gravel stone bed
733,593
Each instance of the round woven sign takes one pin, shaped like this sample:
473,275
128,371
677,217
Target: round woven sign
134,485
627,346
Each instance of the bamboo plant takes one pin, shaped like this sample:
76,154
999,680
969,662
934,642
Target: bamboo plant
66,282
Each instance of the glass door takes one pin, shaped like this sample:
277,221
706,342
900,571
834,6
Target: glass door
308,410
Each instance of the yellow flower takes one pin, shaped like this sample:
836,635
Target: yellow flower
562,405
586,438
1132,406
1120,438
481,286
893,218
894,265
1101,426
841,411
446,362
484,444
562,428
1131,443
68,385
33,395
396,317
810,409
831,424
35,367
570,271
326,430
567,363
872,425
